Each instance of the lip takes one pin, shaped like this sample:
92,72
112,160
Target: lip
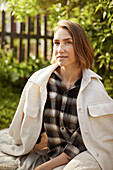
61,57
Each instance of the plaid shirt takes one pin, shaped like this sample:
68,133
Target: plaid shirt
60,118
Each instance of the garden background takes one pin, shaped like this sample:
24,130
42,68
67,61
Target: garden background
96,17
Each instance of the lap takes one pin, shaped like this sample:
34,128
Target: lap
83,161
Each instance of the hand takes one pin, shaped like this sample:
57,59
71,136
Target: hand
43,167
55,162
43,144
38,168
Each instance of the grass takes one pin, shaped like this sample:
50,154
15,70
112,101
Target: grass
9,98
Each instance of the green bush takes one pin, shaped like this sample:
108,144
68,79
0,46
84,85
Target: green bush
13,76
96,17
97,20
9,98
16,74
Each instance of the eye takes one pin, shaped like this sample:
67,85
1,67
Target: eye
56,42
68,42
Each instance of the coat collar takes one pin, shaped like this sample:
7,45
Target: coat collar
87,76
41,77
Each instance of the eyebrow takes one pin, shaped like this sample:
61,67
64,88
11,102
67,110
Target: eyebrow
63,39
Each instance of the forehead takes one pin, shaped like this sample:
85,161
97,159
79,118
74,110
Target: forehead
62,33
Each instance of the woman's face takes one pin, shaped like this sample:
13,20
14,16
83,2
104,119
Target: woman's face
63,48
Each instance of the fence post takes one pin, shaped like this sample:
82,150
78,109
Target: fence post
45,37
20,56
27,46
12,31
3,30
52,43
25,36
37,33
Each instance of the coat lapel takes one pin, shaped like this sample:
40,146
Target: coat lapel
41,77
87,76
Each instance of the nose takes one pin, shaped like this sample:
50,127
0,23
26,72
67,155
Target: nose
60,48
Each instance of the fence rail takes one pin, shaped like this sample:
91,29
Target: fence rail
26,35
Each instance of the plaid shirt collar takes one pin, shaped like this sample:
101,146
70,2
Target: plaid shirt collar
78,82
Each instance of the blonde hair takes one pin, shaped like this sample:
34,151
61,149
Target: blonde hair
81,43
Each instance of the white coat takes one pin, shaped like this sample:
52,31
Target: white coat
95,114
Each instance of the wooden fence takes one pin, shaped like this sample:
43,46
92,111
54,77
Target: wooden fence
30,30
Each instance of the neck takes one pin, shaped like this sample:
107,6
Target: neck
70,75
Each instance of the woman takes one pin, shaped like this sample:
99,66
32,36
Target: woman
64,118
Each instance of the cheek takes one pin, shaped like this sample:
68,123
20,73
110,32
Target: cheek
54,53
69,48
71,51
53,49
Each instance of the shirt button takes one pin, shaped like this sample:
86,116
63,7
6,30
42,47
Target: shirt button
62,128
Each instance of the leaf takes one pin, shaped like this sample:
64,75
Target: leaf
98,7
14,76
110,20
104,14
101,63
103,39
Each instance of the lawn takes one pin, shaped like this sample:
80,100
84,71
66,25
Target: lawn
9,98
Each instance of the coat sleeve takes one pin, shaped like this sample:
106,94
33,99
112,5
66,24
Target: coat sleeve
24,129
14,129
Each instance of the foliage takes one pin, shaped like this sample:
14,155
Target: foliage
13,76
96,17
9,98
21,8
97,20
103,42
16,73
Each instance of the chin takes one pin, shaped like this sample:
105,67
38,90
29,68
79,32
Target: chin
61,64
